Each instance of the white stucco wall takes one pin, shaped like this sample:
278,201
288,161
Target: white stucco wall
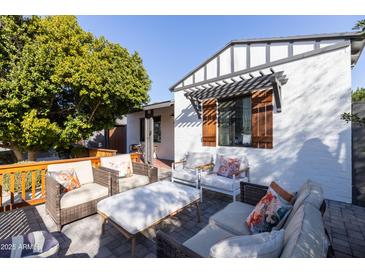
310,139
165,149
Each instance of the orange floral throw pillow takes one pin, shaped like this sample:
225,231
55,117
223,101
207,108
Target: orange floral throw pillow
268,212
228,166
67,178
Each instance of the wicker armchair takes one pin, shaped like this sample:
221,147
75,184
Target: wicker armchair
122,184
167,247
79,203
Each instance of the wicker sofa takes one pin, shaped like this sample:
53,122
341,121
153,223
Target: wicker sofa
305,235
64,208
143,174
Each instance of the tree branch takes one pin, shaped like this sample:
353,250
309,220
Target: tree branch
94,110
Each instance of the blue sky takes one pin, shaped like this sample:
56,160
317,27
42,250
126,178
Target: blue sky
171,46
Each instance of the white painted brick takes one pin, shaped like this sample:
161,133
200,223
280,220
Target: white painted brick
310,139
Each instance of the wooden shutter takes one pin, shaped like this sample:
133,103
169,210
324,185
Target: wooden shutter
209,123
262,111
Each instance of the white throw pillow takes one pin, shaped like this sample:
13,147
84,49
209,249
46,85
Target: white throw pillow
263,245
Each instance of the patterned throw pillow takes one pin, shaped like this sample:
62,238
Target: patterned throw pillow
228,166
268,212
121,163
67,178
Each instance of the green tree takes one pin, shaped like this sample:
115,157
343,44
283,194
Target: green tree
357,96
360,25
58,83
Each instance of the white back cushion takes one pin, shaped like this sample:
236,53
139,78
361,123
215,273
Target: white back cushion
83,170
194,159
119,162
305,235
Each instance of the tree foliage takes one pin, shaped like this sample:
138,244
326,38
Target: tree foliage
357,96
59,83
354,118
360,25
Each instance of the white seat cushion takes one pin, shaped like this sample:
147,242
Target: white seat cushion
187,175
83,169
219,182
262,245
233,218
207,237
133,181
85,193
139,208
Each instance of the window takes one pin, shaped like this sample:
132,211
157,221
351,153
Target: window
156,129
242,121
234,123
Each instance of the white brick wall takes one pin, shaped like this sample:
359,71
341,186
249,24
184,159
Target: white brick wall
310,139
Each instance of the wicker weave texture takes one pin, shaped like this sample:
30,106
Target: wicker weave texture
68,215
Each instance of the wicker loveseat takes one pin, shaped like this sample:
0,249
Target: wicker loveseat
305,235
142,174
76,204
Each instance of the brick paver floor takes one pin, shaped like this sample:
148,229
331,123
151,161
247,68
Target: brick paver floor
83,238
345,224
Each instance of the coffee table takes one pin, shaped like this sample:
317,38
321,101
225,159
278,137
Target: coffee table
136,210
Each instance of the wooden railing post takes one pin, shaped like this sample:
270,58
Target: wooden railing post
12,188
1,191
34,179
43,183
23,186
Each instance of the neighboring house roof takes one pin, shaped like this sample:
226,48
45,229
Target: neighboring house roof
330,42
156,105
162,104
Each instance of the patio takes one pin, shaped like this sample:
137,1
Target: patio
345,223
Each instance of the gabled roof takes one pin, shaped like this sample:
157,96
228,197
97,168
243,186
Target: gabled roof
323,36
355,39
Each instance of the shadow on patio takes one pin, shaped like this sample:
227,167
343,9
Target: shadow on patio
83,238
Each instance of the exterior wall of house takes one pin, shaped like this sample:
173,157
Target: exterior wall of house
165,149
310,141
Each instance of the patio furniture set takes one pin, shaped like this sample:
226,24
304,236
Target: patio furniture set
129,196
301,234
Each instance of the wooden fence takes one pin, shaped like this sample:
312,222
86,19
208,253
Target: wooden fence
24,184
358,157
